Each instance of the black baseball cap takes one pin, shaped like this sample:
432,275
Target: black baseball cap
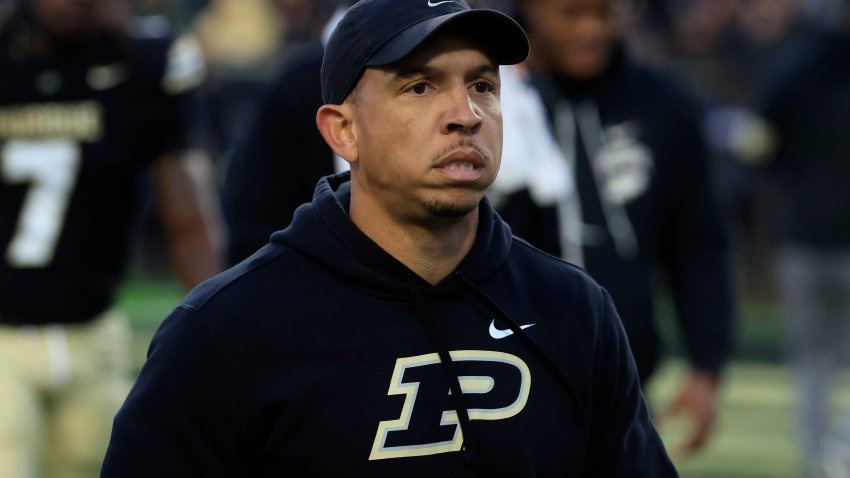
382,32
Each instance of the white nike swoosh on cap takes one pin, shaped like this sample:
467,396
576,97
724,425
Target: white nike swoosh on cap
500,334
434,4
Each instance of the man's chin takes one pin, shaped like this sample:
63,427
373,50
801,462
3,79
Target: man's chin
450,210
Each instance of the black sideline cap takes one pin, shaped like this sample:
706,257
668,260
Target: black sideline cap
381,32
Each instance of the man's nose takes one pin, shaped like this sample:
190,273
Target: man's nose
462,115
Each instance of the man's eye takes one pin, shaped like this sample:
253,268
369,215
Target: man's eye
483,87
419,88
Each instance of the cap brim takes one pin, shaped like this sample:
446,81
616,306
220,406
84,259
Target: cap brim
498,34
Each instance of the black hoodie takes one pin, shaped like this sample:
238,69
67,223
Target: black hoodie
320,355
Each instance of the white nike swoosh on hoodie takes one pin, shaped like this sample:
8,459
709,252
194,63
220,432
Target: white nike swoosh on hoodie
500,334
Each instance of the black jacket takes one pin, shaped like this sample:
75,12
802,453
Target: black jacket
646,203
321,356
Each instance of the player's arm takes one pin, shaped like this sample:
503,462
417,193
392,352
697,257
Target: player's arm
186,199
695,247
696,255
623,440
183,179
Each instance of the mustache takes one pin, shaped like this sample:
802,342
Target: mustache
463,143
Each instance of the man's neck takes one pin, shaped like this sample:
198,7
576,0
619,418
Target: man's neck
432,249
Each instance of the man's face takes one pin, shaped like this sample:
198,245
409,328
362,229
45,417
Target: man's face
429,131
66,18
573,37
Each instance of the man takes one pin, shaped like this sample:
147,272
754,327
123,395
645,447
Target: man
83,108
641,198
396,328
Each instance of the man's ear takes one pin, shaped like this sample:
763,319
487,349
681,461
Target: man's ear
336,123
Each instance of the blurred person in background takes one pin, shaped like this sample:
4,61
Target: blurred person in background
245,43
631,141
242,41
179,14
275,166
730,52
5,5
84,107
305,19
808,109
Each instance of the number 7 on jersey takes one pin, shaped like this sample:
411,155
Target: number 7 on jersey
51,168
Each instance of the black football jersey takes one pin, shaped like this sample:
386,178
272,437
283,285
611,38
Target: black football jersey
75,131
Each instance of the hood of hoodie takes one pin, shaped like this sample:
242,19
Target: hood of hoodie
323,231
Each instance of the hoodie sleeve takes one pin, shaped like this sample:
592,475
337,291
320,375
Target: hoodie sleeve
623,439
694,246
181,418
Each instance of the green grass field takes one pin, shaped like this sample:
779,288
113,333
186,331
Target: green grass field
756,435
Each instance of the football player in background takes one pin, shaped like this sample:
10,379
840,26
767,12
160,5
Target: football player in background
274,167
84,107
642,201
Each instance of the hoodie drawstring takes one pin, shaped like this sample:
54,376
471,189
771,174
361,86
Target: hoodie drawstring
447,365
519,332
437,337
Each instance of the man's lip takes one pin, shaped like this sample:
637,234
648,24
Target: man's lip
466,155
